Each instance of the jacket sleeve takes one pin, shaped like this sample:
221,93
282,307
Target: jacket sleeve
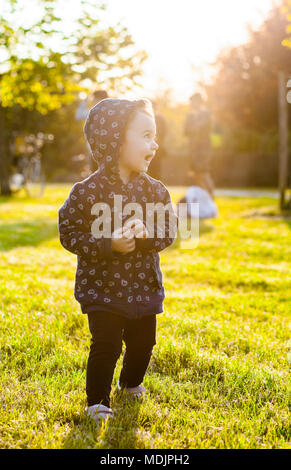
164,231
75,232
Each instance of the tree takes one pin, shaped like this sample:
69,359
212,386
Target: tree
43,69
287,10
244,92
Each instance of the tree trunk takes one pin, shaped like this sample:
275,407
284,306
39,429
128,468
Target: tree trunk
4,158
283,145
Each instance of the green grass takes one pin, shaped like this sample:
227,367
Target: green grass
218,377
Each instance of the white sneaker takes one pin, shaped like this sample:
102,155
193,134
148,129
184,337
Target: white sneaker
138,391
99,411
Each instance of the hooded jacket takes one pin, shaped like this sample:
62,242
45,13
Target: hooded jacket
128,284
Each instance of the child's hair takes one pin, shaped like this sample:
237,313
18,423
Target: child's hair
143,105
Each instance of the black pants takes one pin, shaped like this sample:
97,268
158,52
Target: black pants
108,330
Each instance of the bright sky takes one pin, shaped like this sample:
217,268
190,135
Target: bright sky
180,36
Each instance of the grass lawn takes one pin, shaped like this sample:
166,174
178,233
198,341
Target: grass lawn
218,377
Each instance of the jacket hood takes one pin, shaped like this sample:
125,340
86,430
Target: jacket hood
103,130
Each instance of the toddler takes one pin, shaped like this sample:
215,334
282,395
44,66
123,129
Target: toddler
119,282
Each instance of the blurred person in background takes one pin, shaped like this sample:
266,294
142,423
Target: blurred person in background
197,129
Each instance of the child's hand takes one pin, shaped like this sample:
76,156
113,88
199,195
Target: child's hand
122,240
137,228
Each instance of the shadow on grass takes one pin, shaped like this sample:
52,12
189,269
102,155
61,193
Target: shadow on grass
20,197
30,233
119,432
273,213
204,228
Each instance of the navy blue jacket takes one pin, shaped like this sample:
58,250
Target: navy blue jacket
128,284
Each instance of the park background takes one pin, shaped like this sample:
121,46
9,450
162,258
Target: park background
219,373
51,62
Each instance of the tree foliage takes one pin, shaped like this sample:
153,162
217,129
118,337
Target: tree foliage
33,76
44,66
244,92
287,10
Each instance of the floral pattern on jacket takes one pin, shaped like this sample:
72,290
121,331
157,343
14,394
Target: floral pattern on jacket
128,283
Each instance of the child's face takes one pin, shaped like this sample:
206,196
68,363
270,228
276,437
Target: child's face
138,147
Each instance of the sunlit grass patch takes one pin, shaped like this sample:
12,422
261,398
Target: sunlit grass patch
218,377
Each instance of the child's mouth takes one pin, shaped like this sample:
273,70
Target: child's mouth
148,158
